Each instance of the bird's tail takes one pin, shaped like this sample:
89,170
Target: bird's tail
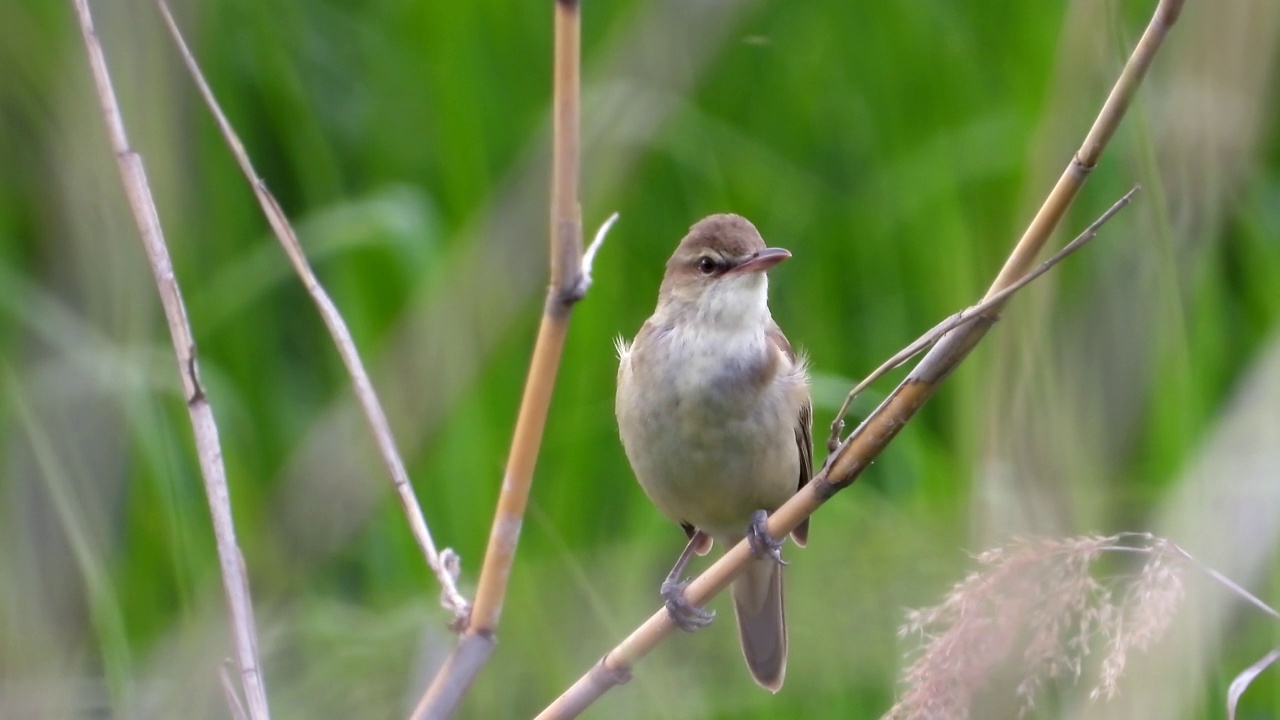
757,601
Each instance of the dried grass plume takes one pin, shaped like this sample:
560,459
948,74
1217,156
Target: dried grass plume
1039,605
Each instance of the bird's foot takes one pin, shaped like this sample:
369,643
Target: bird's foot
682,612
762,543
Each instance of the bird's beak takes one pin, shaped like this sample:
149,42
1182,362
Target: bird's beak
761,261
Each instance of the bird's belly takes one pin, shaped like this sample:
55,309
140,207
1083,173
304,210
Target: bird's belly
716,463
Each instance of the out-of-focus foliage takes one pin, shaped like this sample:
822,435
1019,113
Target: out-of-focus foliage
897,149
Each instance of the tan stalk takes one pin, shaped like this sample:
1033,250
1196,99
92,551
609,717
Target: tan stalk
233,698
442,564
970,314
857,452
569,280
235,581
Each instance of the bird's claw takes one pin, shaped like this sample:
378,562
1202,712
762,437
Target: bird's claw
682,612
762,543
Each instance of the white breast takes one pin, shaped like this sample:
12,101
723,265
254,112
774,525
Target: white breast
709,437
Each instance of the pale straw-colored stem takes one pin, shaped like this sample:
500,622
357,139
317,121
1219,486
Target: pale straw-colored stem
970,314
235,580
442,564
570,277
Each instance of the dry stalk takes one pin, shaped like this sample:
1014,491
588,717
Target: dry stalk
442,564
570,277
856,453
234,578
232,696
970,314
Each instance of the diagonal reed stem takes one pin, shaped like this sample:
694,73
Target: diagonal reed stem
367,397
235,580
970,314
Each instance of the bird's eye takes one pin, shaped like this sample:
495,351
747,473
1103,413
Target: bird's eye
707,265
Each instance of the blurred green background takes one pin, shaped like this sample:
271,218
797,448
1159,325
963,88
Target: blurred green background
896,149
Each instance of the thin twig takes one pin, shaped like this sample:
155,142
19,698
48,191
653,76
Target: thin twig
926,340
1242,680
1228,583
857,452
234,578
441,567
1183,555
233,698
570,278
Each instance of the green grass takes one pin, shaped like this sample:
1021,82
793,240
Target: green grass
896,150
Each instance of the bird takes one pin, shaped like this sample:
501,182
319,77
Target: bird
715,416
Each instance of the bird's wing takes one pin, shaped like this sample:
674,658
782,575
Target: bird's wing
803,428
804,439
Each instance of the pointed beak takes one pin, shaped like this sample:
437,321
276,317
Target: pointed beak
761,261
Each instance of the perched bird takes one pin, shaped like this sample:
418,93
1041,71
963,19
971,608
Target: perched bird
714,412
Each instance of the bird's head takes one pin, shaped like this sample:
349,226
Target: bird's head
717,274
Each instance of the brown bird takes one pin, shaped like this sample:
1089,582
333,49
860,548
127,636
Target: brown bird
714,412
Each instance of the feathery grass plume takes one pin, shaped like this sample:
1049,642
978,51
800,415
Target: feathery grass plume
1149,605
1039,598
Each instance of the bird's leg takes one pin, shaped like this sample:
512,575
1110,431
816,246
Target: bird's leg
685,615
762,543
